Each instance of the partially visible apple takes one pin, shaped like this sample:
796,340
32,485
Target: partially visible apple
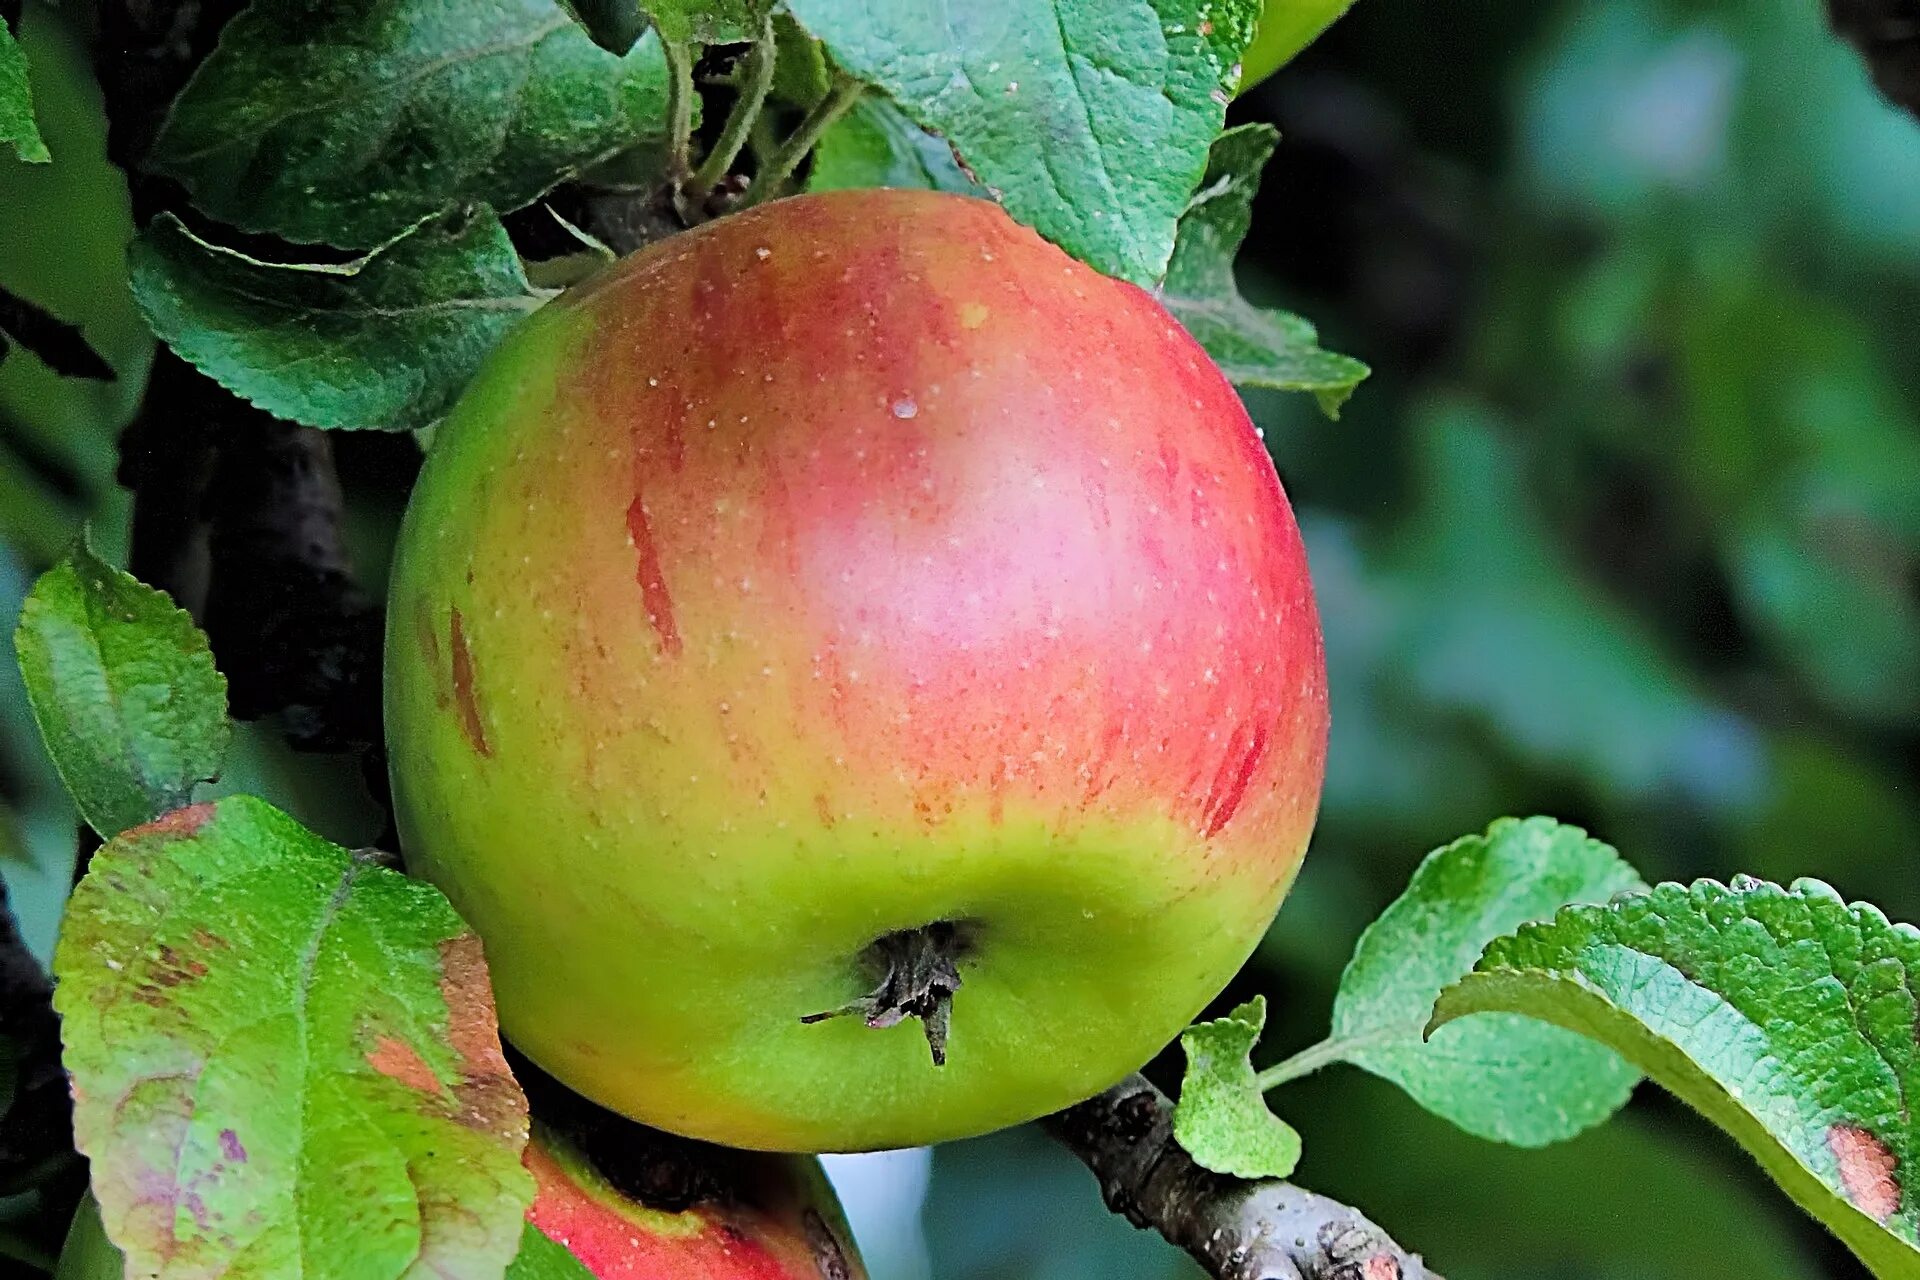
1287,27
771,1217
767,1218
853,594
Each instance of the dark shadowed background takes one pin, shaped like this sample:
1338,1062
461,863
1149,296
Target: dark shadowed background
1625,529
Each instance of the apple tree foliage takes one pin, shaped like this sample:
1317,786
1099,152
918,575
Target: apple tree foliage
283,1053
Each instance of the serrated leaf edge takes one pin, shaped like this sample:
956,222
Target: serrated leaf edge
1653,1052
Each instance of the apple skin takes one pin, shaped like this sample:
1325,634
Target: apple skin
1286,27
780,1221
843,566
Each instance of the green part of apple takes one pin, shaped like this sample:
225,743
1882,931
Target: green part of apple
854,605
1287,27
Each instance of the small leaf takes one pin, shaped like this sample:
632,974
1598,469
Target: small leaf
1253,347
1089,119
349,123
124,690
615,25
875,145
284,1058
387,342
1221,1119
1504,1078
1785,1016
59,345
16,103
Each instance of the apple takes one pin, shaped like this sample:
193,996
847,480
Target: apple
772,1218
853,594
1286,27
775,1218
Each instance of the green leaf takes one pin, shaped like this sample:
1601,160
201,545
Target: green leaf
1509,1079
875,145
16,103
350,122
615,25
1785,1016
88,1254
386,342
1840,607
1495,626
124,690
1089,119
1221,1119
541,1258
291,1049
1253,347
800,73
709,21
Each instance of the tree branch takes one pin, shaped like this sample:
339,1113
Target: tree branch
1239,1230
144,52
236,514
296,635
1887,33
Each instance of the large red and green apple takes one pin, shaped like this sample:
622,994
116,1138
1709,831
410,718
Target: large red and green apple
853,593
769,1218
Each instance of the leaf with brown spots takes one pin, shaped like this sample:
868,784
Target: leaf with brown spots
1788,1017
284,1059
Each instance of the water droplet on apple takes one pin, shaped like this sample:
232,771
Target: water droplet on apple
905,407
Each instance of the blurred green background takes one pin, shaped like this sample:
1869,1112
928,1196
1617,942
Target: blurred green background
1625,528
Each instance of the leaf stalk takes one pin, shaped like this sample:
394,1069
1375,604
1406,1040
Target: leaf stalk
680,96
781,164
756,79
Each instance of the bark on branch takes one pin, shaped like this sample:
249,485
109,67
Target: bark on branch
1887,33
1239,1230
236,514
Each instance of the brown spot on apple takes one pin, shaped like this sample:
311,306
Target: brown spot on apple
463,690
429,641
1866,1170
